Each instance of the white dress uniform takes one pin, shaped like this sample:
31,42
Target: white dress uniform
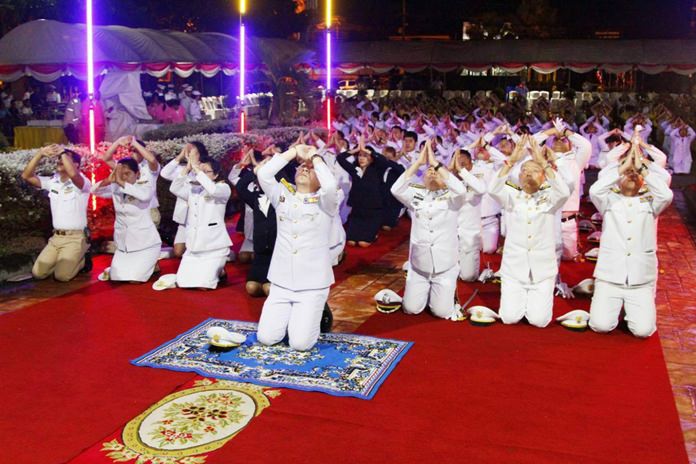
680,151
137,241
433,267
469,225
64,254
490,209
154,201
571,166
248,243
626,270
529,266
300,272
171,171
594,139
207,240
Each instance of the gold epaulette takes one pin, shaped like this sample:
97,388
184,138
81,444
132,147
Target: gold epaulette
418,186
141,182
288,185
513,185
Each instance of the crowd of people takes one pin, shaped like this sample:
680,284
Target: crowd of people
474,177
166,104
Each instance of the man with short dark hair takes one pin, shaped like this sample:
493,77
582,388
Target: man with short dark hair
68,192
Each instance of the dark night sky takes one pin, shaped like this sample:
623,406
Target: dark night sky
634,18
381,18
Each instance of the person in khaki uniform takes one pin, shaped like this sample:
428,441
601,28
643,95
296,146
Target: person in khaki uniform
68,192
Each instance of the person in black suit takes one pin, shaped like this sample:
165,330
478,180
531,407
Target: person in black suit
366,194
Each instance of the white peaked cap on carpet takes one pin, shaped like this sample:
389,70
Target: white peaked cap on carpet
165,282
387,296
596,217
593,254
584,287
224,335
595,236
586,225
388,301
482,314
576,319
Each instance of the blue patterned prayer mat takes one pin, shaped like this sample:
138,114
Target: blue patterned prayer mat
339,364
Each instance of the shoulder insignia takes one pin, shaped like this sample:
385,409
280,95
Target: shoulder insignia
309,200
643,190
513,185
418,186
646,198
616,190
141,182
54,191
288,185
544,187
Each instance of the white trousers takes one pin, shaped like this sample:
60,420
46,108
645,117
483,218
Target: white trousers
638,302
569,239
490,232
525,299
434,290
295,313
201,269
469,258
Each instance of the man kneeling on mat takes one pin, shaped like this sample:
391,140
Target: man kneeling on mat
300,272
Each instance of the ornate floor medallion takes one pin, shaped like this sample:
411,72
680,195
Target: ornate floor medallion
186,425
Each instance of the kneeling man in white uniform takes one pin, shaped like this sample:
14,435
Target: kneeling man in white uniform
300,272
529,267
434,209
630,197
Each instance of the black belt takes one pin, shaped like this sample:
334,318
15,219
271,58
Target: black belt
569,218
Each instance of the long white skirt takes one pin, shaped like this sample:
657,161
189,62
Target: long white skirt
136,266
201,269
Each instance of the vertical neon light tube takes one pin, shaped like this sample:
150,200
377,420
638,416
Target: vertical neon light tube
328,65
90,74
90,87
242,75
242,65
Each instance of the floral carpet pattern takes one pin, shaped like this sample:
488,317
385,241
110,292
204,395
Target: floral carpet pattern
188,425
339,364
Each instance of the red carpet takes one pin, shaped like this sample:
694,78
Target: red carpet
66,377
462,394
